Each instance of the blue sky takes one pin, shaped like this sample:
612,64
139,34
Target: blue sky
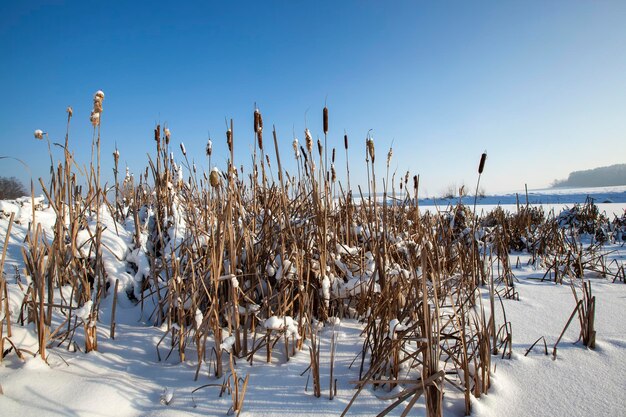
540,85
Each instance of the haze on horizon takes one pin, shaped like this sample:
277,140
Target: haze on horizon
540,86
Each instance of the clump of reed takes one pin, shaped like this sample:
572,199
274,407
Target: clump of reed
233,264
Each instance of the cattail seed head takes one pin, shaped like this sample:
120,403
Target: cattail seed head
209,147
333,158
229,139
259,135
69,111
98,95
38,134
214,177
333,174
325,117
267,159
415,182
345,142
389,155
157,133
116,156
167,133
296,148
320,148
257,115
309,140
304,154
97,106
370,148
94,118
481,166
182,147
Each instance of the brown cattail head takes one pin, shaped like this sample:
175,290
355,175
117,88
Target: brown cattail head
320,148
116,156
157,133
309,140
38,134
182,148
97,106
94,118
167,133
333,158
481,165
304,154
69,111
214,177
209,148
260,121
333,174
325,117
389,155
370,148
259,135
345,141
415,181
296,148
267,159
257,114
229,139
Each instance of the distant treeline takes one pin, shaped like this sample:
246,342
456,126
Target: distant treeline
597,177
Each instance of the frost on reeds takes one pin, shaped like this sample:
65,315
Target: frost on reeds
238,267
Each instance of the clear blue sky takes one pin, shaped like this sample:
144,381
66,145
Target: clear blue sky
540,85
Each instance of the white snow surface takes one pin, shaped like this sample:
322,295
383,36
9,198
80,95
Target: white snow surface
125,378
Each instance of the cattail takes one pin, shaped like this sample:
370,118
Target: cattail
320,148
209,148
214,177
267,158
69,111
309,140
415,182
304,154
116,156
296,148
38,134
333,174
481,166
333,157
389,155
94,118
257,116
259,136
370,148
97,106
325,113
157,133
260,121
229,139
98,95
167,135
182,147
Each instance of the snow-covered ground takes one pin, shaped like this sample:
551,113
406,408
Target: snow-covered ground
125,377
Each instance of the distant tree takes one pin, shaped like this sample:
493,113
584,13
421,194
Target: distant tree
10,188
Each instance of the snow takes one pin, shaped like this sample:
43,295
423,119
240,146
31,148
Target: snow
84,312
125,378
